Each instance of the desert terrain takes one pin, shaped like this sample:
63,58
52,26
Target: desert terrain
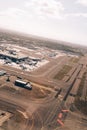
57,74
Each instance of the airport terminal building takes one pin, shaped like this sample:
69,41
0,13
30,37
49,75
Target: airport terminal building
14,58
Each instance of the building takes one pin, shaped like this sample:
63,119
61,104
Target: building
23,84
2,72
35,59
12,57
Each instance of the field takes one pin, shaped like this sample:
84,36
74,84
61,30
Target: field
63,72
81,98
74,60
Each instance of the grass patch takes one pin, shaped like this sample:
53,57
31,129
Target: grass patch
60,75
80,90
81,103
74,60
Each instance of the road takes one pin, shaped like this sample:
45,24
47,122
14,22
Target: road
45,78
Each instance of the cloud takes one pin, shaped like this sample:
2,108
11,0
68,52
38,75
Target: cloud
36,9
50,8
76,15
13,12
82,2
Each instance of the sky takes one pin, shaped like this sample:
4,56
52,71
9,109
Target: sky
64,20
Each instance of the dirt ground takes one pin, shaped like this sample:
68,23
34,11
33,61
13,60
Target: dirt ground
40,102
